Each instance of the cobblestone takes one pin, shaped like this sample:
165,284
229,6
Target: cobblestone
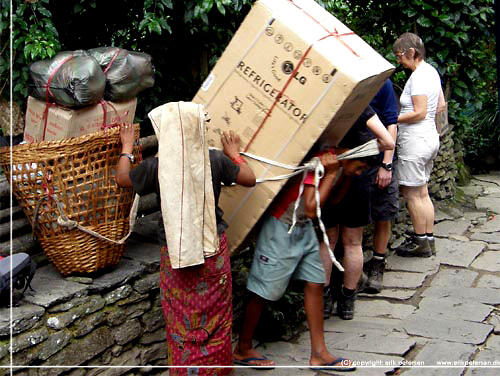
431,310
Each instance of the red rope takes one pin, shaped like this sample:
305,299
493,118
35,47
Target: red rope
183,173
104,104
334,34
104,113
45,118
278,97
119,120
49,190
111,61
48,91
47,87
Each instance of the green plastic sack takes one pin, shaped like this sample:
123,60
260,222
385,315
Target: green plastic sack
127,72
71,79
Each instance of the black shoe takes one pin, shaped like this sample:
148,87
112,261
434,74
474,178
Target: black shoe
432,244
345,306
367,256
414,247
375,273
362,283
328,303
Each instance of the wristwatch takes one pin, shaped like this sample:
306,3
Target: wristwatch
129,156
387,166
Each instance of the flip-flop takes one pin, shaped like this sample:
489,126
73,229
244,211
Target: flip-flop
331,366
247,362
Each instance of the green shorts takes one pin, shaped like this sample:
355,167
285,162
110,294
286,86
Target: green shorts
280,256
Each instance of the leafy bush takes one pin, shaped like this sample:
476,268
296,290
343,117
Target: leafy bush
459,37
480,135
34,37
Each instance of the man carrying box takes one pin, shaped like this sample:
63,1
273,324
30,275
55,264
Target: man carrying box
281,255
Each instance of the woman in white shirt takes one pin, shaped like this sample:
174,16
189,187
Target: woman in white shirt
417,142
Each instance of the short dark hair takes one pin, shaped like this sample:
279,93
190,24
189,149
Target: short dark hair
407,41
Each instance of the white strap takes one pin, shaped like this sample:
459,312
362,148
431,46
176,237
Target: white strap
320,222
367,149
319,172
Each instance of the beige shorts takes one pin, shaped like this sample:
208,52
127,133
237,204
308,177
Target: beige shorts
415,157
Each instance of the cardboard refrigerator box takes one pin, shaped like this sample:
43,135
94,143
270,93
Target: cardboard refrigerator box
291,73
64,123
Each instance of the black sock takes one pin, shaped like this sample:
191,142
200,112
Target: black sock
378,256
420,235
430,234
347,292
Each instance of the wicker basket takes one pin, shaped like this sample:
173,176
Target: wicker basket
74,176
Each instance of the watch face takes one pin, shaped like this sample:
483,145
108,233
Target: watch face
131,157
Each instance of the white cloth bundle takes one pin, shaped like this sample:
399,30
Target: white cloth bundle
186,191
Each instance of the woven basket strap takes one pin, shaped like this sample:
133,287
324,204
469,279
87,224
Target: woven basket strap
64,221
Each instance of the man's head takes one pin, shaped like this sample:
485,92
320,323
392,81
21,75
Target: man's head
354,167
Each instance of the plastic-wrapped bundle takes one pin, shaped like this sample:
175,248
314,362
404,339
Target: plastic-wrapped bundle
127,72
71,79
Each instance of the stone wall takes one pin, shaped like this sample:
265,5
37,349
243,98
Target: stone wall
442,185
110,318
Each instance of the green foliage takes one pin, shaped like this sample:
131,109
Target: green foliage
34,37
480,135
460,41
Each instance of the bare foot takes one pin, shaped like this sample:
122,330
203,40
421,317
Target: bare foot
251,357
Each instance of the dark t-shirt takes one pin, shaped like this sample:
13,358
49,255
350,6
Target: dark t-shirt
145,180
359,132
385,104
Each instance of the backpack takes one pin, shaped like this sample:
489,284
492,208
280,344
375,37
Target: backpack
23,270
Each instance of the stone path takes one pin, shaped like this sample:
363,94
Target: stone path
442,309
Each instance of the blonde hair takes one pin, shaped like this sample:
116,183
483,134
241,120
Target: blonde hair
407,41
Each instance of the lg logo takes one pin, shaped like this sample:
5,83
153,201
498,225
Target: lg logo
287,67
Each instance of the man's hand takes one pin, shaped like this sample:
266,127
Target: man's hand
231,143
127,137
383,178
330,162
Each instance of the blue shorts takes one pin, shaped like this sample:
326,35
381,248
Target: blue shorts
280,256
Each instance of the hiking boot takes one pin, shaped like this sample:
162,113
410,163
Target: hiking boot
328,302
345,306
367,256
375,272
432,244
362,283
414,247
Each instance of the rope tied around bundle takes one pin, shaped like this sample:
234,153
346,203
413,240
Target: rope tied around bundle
64,221
365,150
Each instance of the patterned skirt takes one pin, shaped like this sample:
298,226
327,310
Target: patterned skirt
197,305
